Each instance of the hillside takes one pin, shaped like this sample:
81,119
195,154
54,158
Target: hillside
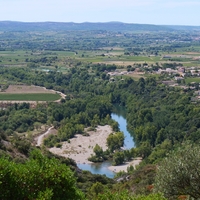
150,72
71,26
66,26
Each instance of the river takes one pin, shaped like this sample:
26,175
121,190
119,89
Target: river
102,168
128,141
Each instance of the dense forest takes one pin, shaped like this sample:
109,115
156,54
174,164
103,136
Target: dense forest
163,120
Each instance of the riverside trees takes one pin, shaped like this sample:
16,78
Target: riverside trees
115,141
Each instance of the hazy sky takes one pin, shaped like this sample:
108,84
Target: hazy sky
169,12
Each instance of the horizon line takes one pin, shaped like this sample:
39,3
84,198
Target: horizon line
96,23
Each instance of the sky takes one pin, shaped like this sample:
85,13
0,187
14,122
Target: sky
159,12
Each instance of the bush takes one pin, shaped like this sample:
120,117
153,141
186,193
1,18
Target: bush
38,178
125,195
58,145
179,174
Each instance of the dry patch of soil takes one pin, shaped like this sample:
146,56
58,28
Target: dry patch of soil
81,147
14,89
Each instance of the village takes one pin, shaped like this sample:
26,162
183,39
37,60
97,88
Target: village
172,77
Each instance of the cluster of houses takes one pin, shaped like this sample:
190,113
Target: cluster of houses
119,73
180,72
196,96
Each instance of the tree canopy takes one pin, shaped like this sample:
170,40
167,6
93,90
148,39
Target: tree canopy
37,178
179,173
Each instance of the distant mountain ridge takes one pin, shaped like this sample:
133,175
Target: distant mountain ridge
71,26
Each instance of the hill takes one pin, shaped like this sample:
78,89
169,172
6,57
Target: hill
66,26
71,26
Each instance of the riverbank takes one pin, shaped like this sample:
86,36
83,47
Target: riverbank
124,166
81,147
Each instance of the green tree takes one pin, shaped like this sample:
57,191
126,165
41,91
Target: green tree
97,188
38,178
125,195
32,65
115,141
179,174
98,151
128,155
95,120
118,158
144,149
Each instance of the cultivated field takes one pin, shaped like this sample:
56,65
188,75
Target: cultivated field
28,93
29,97
19,89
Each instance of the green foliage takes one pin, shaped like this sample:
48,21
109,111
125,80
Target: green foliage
22,144
97,188
77,114
46,195
140,179
98,151
58,145
21,118
118,158
99,154
115,141
32,65
115,126
125,195
86,180
179,173
38,178
144,149
159,117
160,151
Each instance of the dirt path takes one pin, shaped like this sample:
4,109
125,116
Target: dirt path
41,137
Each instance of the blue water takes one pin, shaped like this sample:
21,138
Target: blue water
102,168
128,142
98,168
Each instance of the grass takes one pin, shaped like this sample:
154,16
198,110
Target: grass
190,64
29,97
190,80
136,77
135,58
152,75
116,56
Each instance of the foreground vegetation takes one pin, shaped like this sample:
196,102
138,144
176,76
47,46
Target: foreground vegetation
164,120
38,178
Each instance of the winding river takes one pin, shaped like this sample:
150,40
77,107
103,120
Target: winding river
118,115
102,168
128,141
